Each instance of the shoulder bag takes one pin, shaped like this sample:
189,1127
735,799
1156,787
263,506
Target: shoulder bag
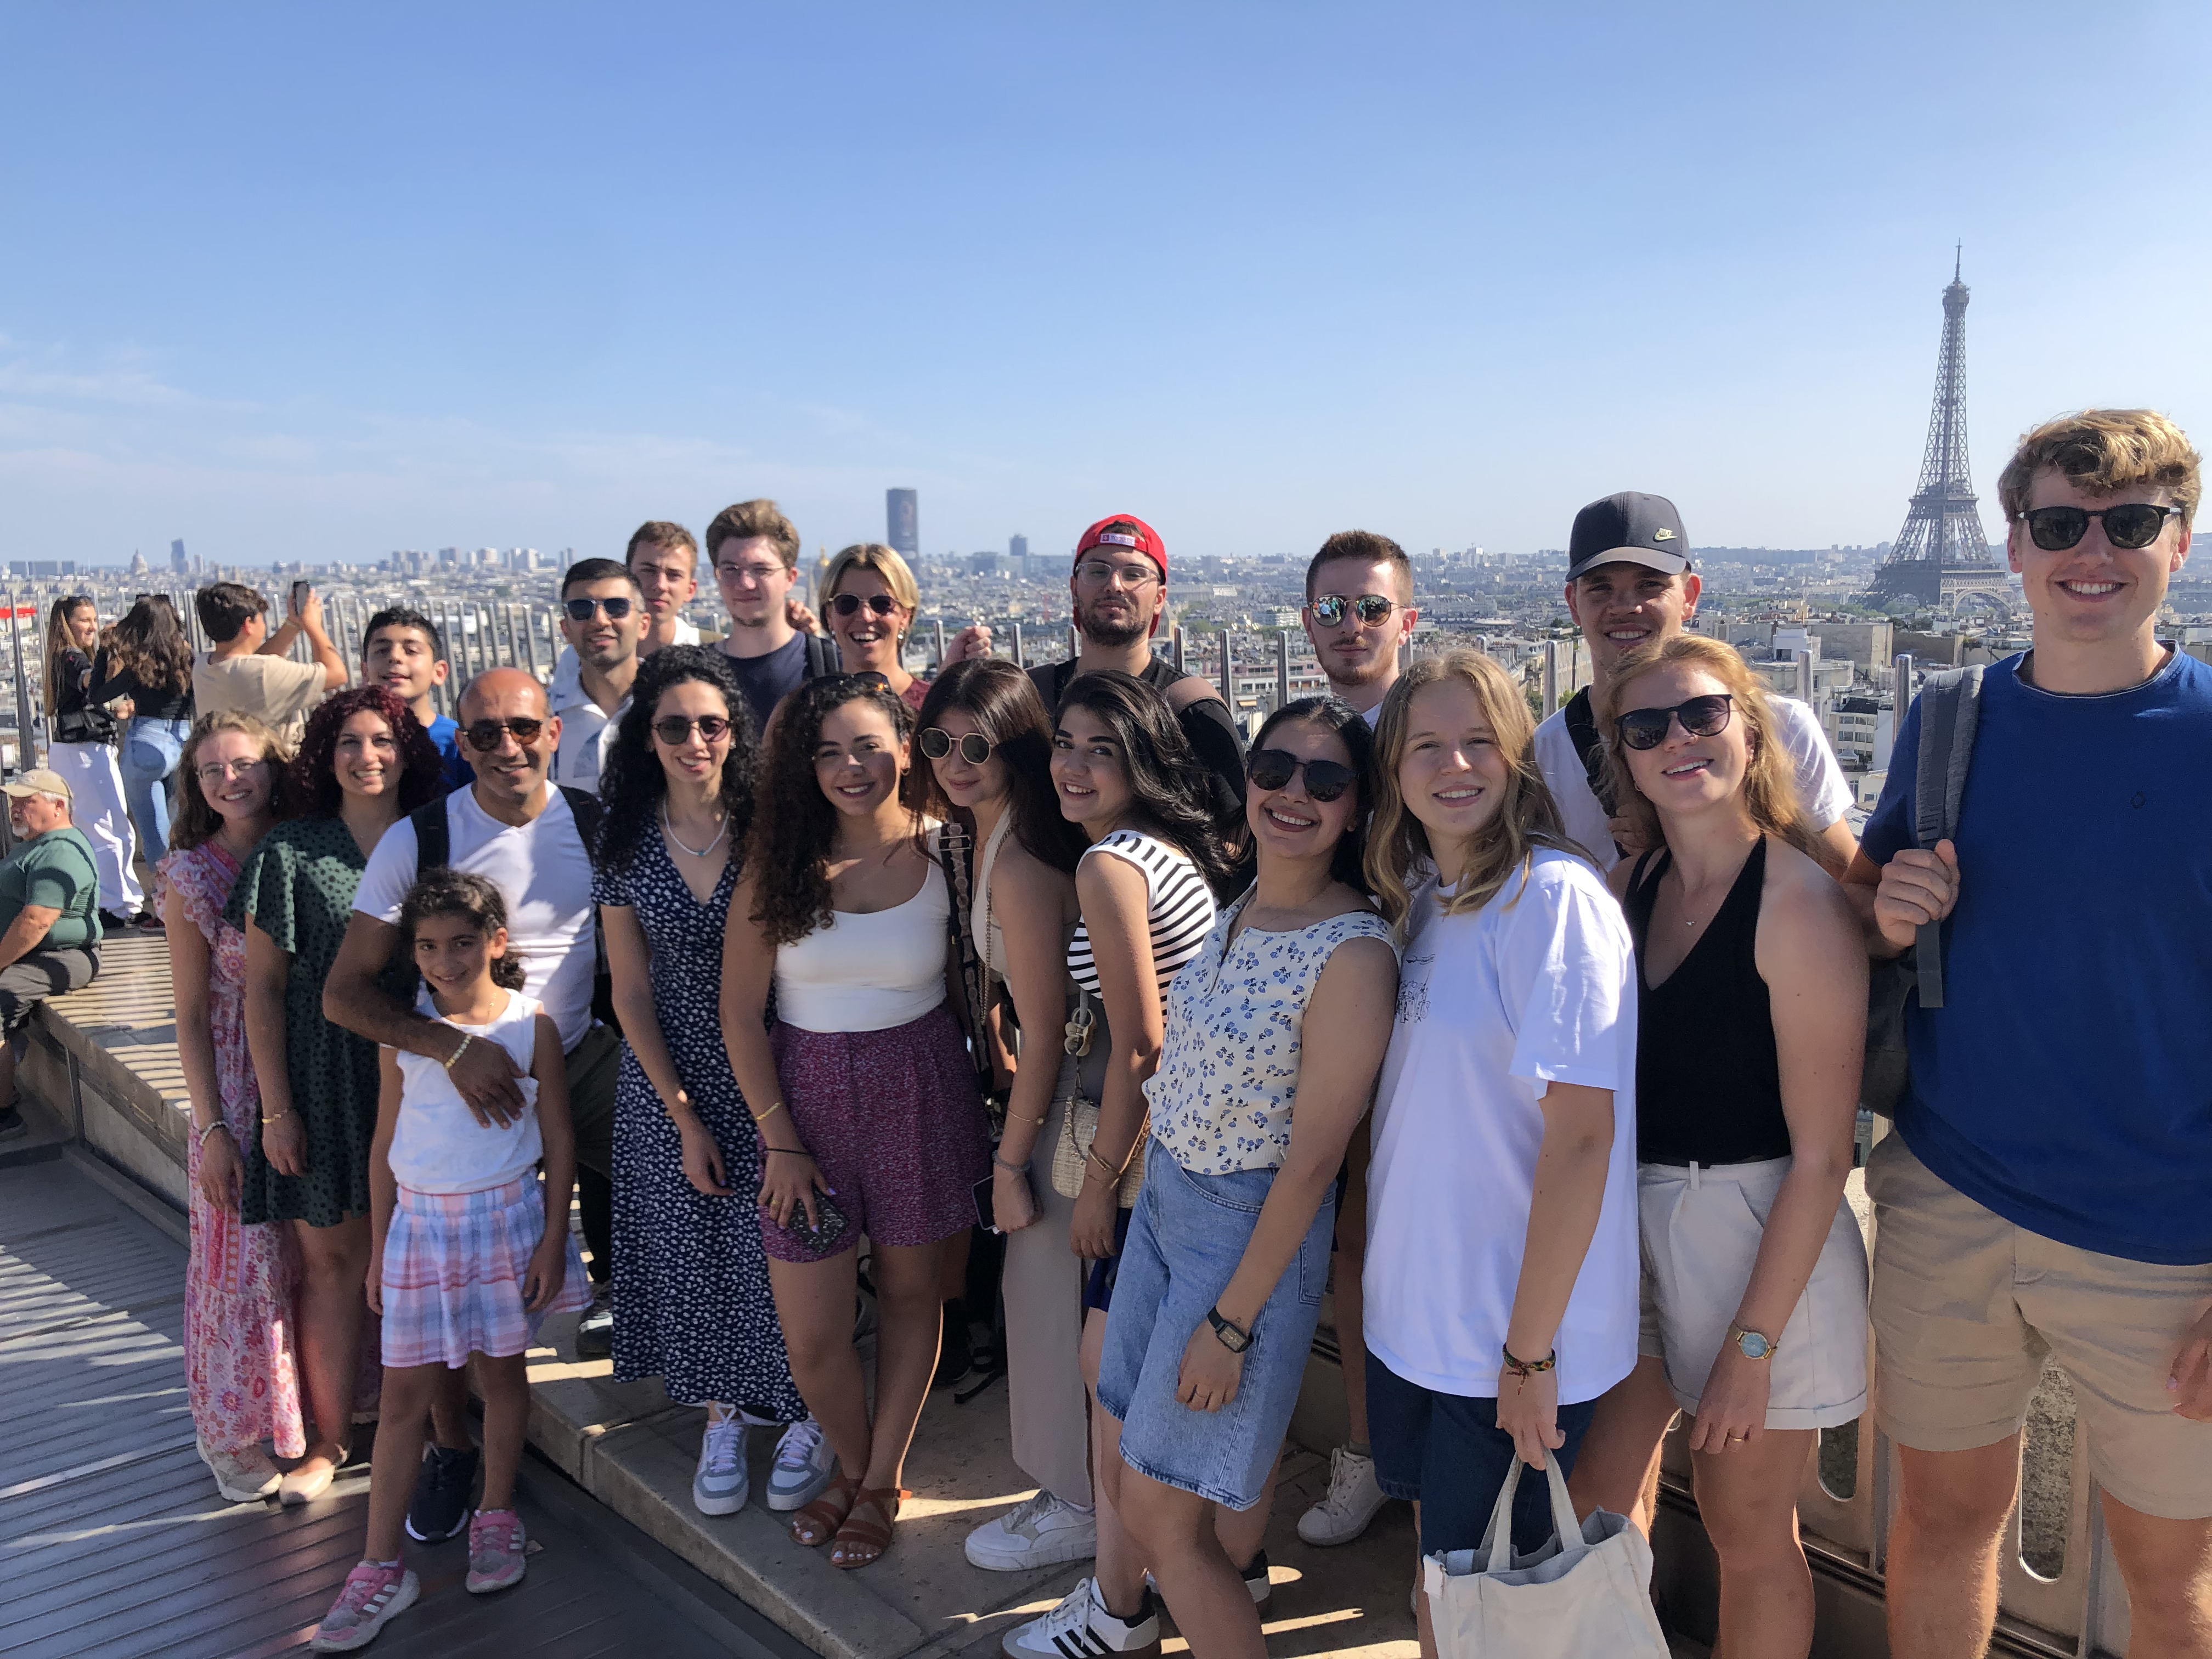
1071,1153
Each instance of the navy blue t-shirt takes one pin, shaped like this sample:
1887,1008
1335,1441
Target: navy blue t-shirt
2067,1082
767,681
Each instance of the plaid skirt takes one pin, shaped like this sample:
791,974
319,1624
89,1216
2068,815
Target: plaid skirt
453,1267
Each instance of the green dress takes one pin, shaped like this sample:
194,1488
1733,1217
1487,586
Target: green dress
298,886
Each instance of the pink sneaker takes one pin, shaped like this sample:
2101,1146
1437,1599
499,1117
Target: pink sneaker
496,1545
371,1595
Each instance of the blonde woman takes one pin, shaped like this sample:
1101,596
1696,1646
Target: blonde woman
868,602
82,748
1751,997
1501,1269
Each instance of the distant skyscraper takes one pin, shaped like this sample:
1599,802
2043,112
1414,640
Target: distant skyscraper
1018,547
178,561
902,513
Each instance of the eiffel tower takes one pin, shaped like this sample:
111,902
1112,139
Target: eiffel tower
1941,553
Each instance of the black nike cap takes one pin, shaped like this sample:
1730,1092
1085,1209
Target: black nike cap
1629,528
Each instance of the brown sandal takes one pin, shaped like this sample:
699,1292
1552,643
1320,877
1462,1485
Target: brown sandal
824,1518
860,1541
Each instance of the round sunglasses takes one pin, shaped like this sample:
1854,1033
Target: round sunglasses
1273,768
674,729
1371,609
2130,525
845,604
1701,717
937,743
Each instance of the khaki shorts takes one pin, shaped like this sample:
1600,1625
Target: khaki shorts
1701,1227
1967,1305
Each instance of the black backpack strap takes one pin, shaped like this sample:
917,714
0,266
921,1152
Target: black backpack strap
1589,747
822,656
585,808
1950,709
434,836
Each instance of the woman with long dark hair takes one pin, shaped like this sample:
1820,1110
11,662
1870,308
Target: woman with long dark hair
363,762
148,659
864,1099
81,746
689,1273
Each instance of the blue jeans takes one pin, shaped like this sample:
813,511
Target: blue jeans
151,749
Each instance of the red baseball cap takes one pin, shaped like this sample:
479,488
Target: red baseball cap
1125,530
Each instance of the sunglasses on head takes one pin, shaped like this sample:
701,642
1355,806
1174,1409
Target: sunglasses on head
937,743
485,735
845,604
1371,609
580,609
1273,768
2132,524
674,729
1701,717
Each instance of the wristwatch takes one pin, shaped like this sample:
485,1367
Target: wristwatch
1751,1344
1234,1338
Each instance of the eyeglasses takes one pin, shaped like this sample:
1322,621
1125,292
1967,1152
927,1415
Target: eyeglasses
2131,524
1098,573
1701,717
1273,768
486,736
215,772
937,743
580,609
845,604
749,575
672,729
1373,610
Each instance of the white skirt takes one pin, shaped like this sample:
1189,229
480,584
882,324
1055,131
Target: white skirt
96,807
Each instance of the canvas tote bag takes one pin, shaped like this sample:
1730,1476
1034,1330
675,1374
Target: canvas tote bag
1585,1593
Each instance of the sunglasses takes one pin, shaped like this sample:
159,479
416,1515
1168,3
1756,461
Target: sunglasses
1273,768
580,609
845,604
485,735
937,743
674,729
2134,524
1372,609
868,677
1701,717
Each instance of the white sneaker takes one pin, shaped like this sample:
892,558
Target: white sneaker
804,1465
1080,1625
1041,1531
722,1484
1352,1502
243,1477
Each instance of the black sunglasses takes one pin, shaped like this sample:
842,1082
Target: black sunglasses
1701,717
485,735
868,677
672,729
1371,609
1273,768
937,743
845,604
2132,524
581,610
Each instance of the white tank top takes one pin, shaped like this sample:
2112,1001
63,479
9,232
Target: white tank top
868,971
438,1145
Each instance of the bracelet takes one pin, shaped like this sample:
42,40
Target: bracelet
1111,1173
454,1059
1022,1167
1525,1369
762,1117
279,1118
205,1130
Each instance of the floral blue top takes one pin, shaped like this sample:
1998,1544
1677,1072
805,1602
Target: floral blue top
1235,1016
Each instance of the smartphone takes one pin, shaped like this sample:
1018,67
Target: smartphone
829,1228
987,1214
301,590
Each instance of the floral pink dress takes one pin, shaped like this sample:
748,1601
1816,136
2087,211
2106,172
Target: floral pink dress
241,1283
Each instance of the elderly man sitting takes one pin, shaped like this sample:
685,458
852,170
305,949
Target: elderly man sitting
49,915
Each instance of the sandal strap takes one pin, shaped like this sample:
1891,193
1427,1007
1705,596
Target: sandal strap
867,1534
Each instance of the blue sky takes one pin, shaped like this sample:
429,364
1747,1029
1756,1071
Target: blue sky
321,282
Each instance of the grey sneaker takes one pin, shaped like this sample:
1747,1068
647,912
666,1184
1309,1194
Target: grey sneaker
1081,1624
495,1547
595,1331
243,1477
1041,1531
722,1485
373,1595
1352,1503
804,1465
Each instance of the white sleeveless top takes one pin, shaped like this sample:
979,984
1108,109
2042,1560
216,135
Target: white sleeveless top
869,971
438,1145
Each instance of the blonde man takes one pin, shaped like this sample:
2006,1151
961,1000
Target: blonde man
2045,1194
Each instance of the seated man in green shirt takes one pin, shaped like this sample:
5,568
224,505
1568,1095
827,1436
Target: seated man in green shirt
49,917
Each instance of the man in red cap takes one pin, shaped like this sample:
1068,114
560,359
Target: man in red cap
1119,588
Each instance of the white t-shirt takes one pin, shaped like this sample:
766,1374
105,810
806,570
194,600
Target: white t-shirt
1537,987
1821,789
438,1145
542,871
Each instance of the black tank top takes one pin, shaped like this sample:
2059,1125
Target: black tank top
1708,1085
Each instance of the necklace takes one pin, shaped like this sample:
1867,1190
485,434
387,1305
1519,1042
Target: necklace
722,828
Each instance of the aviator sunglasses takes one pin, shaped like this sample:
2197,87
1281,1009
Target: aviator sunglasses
674,729
1372,609
580,609
1273,768
937,743
845,604
2131,524
1701,717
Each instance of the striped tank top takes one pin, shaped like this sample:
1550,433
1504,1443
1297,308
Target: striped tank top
1180,907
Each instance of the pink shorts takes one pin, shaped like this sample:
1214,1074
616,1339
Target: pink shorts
453,1267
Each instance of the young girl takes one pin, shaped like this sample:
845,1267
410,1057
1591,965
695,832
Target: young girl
464,1264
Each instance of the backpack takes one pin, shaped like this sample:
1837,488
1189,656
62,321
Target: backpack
433,846
1590,748
821,658
1950,706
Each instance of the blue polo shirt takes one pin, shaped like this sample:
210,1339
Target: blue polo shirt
2067,1082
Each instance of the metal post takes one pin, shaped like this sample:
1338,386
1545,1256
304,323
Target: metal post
1021,661
1900,686
1074,642
939,626
1175,647
1228,671
1282,668
1551,678
27,745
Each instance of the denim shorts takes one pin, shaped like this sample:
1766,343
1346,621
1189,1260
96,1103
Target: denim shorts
1446,1452
1187,1234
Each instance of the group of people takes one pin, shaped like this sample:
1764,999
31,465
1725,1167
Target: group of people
790,951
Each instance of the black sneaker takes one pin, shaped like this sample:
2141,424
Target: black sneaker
595,1331
439,1508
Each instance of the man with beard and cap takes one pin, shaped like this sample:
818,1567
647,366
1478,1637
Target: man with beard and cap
1120,592
1358,614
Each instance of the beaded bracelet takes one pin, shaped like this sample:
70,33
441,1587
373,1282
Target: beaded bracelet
454,1059
207,1130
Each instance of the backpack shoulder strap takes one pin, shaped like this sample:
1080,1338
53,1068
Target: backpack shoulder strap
1950,708
433,835
821,656
1590,748
584,807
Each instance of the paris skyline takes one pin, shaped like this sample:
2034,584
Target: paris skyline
318,286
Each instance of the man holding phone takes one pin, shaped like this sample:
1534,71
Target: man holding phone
251,669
